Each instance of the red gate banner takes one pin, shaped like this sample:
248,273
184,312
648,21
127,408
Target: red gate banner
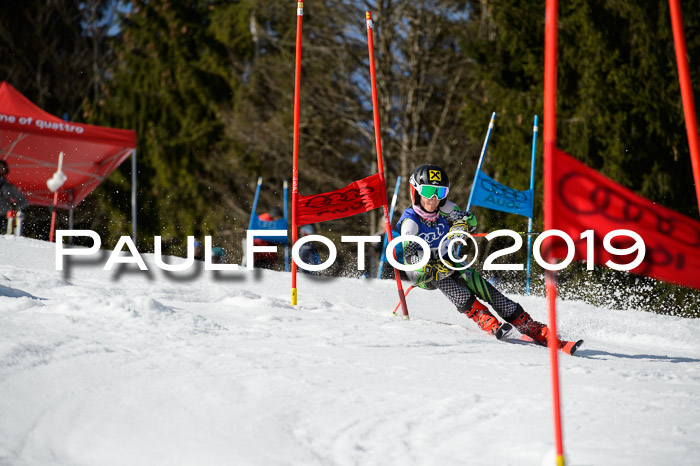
357,197
584,199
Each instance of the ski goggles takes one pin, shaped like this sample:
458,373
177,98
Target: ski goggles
429,191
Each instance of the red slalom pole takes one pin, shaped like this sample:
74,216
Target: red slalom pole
550,143
406,294
53,217
295,146
380,162
691,121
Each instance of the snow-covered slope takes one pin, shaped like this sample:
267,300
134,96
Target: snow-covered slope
135,368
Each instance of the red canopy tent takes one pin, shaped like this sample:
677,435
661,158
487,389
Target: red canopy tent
31,139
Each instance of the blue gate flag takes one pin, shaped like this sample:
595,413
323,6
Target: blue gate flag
496,196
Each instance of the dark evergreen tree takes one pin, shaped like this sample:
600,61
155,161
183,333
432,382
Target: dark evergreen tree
56,53
619,105
169,82
618,108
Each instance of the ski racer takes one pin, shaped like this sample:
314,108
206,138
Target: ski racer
431,217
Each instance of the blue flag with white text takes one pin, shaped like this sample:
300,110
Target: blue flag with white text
494,195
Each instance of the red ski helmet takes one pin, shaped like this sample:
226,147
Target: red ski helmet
429,181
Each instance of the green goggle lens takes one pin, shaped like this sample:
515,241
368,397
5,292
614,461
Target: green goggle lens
428,191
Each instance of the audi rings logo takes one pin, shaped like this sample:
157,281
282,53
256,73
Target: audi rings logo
503,191
337,202
616,207
433,236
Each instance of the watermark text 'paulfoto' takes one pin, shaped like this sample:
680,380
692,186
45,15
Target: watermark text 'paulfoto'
447,247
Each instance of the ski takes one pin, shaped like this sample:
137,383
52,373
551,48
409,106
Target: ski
568,347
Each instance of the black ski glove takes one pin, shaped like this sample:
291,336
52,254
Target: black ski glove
435,270
466,223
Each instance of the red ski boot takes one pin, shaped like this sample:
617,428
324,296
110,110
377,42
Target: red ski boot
533,329
540,332
484,319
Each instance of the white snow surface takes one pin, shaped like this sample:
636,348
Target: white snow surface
126,367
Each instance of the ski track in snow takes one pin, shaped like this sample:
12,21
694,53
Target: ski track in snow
127,367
